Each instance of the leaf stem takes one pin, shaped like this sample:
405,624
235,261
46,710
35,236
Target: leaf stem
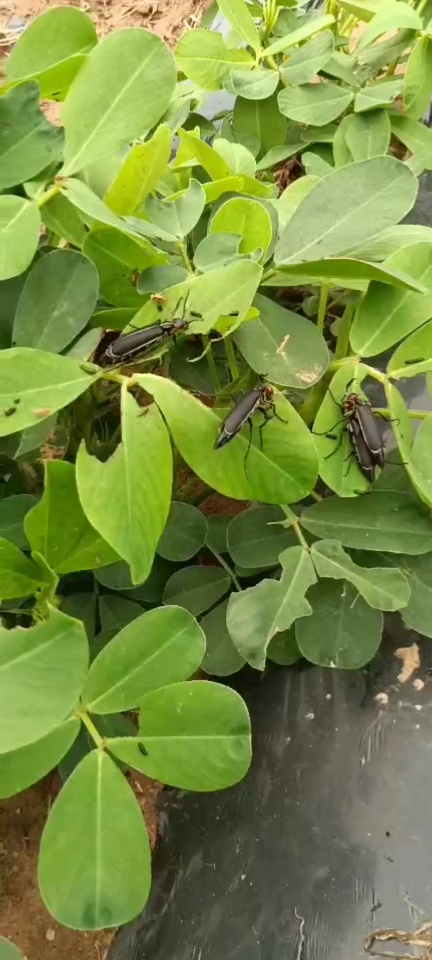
296,527
226,567
414,414
232,359
322,307
184,255
49,194
94,733
211,363
342,342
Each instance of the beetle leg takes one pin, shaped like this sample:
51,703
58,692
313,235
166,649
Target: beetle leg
249,446
276,415
326,433
338,446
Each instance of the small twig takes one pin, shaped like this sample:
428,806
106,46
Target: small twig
302,938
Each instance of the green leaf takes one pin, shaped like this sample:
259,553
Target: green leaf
255,615
221,658
305,62
417,615
216,250
343,631
82,606
415,136
57,300
420,456
254,85
184,534
314,103
216,536
62,218
218,293
315,166
151,591
246,217
191,148
418,79
368,135
344,269
385,314
155,279
122,90
314,25
361,9
178,217
12,513
117,257
35,384
72,544
382,589
140,172
204,58
237,157
116,612
197,737
52,49
160,647
417,347
259,122
341,155
380,521
138,488
19,576
21,768
28,142
236,12
278,154
196,588
282,346
392,240
42,670
377,193
116,576
283,648
377,95
257,536
9,951
338,466
290,199
94,861
276,474
19,235
394,16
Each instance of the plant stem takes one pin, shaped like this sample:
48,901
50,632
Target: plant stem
94,733
49,194
211,364
296,527
272,62
342,342
322,307
226,567
184,255
413,414
232,359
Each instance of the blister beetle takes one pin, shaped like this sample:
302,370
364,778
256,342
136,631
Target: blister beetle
260,398
360,423
129,346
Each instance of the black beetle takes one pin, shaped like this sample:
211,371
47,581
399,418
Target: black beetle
129,346
260,398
